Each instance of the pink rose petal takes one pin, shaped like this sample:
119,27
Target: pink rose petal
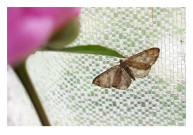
29,28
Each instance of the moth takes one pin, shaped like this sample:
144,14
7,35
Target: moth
136,66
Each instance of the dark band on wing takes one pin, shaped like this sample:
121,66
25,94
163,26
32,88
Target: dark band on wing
129,72
117,78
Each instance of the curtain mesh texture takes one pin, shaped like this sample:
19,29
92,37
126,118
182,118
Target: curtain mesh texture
64,80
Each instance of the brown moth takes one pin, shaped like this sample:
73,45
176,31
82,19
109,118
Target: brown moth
136,66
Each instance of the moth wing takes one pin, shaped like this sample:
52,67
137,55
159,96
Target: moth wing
146,57
105,79
139,73
124,82
140,64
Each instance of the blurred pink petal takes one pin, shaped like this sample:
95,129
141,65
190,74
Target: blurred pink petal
29,28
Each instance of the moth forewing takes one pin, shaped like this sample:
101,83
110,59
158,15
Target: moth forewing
114,77
105,79
140,64
146,57
117,78
125,80
139,73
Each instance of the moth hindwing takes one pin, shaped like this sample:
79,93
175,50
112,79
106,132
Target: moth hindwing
136,66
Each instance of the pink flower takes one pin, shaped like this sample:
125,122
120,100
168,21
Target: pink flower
29,28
